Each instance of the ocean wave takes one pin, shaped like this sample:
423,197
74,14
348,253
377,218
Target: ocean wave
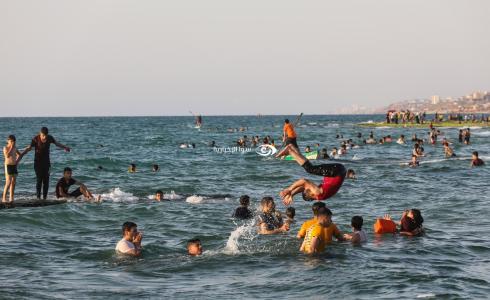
118,195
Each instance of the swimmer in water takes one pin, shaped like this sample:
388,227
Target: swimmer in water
194,247
417,150
333,177
155,168
319,235
351,174
414,162
307,224
132,168
475,160
334,152
410,222
269,221
290,214
401,140
307,149
130,244
159,196
242,212
358,235
448,152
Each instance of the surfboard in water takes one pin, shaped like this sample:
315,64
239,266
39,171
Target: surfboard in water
310,156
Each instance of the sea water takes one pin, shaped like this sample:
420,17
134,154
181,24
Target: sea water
67,251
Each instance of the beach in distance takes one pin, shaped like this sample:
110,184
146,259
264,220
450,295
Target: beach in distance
67,250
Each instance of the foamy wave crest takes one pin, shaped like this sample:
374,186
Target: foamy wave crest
194,199
117,195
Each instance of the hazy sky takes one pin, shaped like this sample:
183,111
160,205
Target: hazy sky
118,57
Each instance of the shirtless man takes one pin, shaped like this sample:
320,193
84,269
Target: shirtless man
12,158
333,177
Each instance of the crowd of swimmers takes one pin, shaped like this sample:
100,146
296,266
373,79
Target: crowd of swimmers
316,233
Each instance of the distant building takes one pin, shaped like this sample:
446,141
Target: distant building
435,100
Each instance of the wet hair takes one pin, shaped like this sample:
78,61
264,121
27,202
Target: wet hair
266,200
351,171
127,226
416,146
475,153
357,222
307,196
156,167
244,200
316,206
159,192
324,211
67,169
193,242
286,121
44,130
417,217
133,166
12,137
290,212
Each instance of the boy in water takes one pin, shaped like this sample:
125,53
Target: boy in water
333,178
12,157
132,168
307,224
351,174
290,214
448,152
194,247
159,196
242,212
130,244
475,160
414,163
64,184
269,221
319,235
358,235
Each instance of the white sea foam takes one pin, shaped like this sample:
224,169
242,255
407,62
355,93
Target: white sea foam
246,231
117,195
428,295
194,199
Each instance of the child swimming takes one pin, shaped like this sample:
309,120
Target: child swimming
242,212
358,235
194,247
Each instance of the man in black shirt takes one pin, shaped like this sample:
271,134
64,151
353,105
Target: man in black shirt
242,212
42,163
64,184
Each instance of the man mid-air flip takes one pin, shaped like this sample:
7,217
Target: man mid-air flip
333,177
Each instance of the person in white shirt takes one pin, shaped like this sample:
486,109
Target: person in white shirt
130,244
358,235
